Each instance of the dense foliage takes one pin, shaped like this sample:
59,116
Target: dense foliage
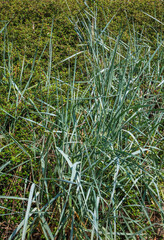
81,119
27,21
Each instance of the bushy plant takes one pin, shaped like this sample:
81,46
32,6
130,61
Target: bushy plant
84,157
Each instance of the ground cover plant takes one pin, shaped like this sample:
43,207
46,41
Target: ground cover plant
26,23
82,157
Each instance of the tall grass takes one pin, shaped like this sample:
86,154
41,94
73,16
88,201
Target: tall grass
93,147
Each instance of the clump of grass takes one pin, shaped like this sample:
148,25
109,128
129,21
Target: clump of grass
93,150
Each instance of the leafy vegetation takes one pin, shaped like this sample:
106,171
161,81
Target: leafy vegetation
81,134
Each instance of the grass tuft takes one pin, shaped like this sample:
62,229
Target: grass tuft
83,158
